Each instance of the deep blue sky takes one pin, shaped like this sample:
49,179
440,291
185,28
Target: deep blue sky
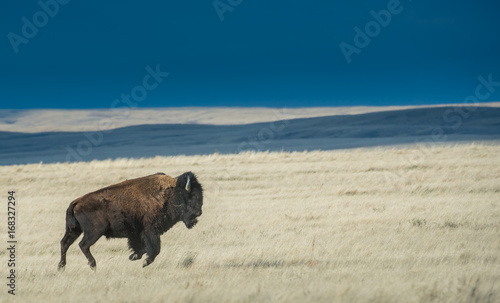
264,53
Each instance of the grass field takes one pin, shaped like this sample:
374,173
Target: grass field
418,224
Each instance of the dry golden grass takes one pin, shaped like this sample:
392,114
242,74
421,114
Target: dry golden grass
414,224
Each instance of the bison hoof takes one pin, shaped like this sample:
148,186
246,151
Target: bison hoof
92,265
60,267
134,257
146,262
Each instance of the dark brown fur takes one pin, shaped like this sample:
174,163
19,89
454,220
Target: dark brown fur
139,209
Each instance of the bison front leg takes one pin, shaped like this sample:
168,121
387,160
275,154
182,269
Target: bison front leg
137,246
152,245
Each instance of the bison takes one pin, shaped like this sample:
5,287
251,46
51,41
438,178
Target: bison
139,209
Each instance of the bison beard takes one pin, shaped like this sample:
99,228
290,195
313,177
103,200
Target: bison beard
139,209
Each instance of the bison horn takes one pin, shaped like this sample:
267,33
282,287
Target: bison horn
188,184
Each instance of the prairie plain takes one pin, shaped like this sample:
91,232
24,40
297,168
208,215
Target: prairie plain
389,224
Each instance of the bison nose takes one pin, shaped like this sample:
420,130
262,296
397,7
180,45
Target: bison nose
198,213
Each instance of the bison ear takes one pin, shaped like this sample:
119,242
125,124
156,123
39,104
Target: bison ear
188,184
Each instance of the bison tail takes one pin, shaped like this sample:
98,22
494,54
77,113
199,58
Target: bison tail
71,221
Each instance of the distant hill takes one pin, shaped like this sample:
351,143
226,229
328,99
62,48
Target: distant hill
420,125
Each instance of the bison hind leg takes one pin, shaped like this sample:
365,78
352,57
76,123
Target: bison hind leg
69,237
137,247
88,240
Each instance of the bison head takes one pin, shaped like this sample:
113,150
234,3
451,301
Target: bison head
193,199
